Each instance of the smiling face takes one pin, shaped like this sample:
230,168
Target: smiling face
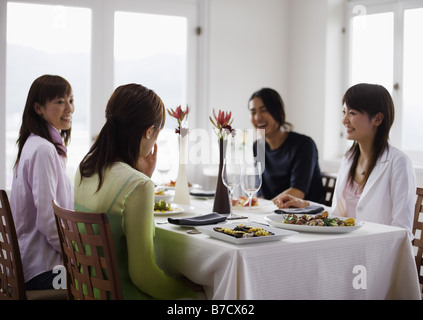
58,112
261,118
359,126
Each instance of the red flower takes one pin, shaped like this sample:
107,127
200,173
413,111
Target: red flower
179,115
223,122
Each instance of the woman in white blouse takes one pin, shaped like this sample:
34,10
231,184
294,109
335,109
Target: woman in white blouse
376,181
40,177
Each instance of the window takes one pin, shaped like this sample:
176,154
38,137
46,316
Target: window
386,48
373,62
43,39
157,60
412,135
91,44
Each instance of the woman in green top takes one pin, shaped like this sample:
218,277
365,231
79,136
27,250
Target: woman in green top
114,177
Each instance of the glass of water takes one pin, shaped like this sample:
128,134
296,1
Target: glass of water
231,177
251,181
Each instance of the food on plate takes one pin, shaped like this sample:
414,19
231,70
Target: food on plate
172,184
243,202
242,231
320,220
162,206
160,192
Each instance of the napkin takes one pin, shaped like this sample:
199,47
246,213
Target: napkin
202,193
313,209
211,218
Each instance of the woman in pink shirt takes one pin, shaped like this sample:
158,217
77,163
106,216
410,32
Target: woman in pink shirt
40,177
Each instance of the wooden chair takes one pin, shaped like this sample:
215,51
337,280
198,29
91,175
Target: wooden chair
89,255
329,181
12,283
418,236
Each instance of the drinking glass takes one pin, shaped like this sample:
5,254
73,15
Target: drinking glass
163,167
163,163
251,182
231,177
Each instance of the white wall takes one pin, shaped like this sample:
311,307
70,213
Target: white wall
3,26
293,46
315,72
307,68
247,51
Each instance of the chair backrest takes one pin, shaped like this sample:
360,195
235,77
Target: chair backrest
12,285
418,233
329,181
88,254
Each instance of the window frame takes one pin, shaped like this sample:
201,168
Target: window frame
102,55
398,7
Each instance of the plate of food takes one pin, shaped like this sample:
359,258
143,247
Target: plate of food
164,208
321,223
162,194
171,185
245,233
242,203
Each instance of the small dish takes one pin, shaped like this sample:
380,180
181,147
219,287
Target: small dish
277,235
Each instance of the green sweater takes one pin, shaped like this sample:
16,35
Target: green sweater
127,197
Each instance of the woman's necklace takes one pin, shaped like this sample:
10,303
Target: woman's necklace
360,174
362,167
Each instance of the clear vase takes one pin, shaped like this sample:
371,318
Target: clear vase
221,198
181,184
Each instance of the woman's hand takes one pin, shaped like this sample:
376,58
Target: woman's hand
287,201
147,164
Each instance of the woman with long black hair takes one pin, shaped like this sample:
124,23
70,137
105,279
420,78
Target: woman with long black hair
291,159
376,181
40,177
114,177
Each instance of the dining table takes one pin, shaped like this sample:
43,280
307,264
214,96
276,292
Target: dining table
372,262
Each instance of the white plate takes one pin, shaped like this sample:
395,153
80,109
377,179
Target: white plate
165,197
193,186
278,233
261,204
174,210
277,221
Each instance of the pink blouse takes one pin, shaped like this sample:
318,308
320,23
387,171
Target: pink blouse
351,195
39,178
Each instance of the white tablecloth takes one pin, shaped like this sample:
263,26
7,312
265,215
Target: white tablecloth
373,262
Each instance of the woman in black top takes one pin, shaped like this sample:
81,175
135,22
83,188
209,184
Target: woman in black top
291,159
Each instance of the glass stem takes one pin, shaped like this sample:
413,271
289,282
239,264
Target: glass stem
250,198
230,201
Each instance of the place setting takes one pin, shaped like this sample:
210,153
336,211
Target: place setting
193,221
313,218
222,226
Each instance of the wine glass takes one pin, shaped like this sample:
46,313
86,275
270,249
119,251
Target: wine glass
231,177
251,182
163,168
163,163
